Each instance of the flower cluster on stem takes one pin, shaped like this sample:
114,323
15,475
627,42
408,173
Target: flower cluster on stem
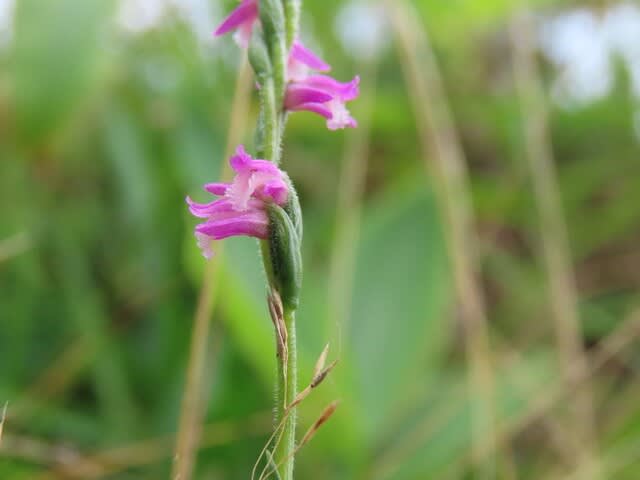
261,200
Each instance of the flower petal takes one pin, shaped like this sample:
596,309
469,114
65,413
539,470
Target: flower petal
243,34
344,91
298,94
300,53
243,162
205,210
318,108
217,188
253,223
245,13
275,190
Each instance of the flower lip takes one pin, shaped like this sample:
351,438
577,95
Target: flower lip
298,94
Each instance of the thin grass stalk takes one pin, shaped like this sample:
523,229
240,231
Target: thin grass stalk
554,240
14,245
64,461
540,404
561,391
348,213
445,160
192,406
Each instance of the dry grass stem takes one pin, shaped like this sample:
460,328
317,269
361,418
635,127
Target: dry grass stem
308,436
322,360
63,371
554,239
322,419
562,389
14,245
445,159
2,419
276,313
320,372
191,410
538,406
66,462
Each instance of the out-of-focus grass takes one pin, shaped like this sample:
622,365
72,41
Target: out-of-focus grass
104,130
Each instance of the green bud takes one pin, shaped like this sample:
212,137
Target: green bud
259,56
272,19
259,137
284,253
292,207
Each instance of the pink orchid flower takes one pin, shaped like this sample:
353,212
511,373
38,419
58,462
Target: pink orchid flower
242,20
242,208
320,94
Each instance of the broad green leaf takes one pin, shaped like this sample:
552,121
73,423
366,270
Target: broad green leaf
397,328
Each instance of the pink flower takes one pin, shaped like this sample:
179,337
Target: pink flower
325,96
320,94
242,208
242,19
301,60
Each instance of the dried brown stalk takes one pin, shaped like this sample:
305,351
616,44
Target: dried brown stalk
191,410
445,160
555,243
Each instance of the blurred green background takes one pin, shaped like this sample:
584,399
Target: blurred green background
111,112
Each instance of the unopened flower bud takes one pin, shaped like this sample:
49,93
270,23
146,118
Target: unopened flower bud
292,207
272,19
284,250
259,57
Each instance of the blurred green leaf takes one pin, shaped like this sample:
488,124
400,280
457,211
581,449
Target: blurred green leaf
401,329
58,49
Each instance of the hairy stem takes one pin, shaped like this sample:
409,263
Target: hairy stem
287,390
270,147
280,26
292,14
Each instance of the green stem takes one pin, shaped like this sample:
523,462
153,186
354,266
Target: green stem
271,125
287,390
292,16
278,38
279,65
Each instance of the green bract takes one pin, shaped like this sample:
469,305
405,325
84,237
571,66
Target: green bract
284,251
